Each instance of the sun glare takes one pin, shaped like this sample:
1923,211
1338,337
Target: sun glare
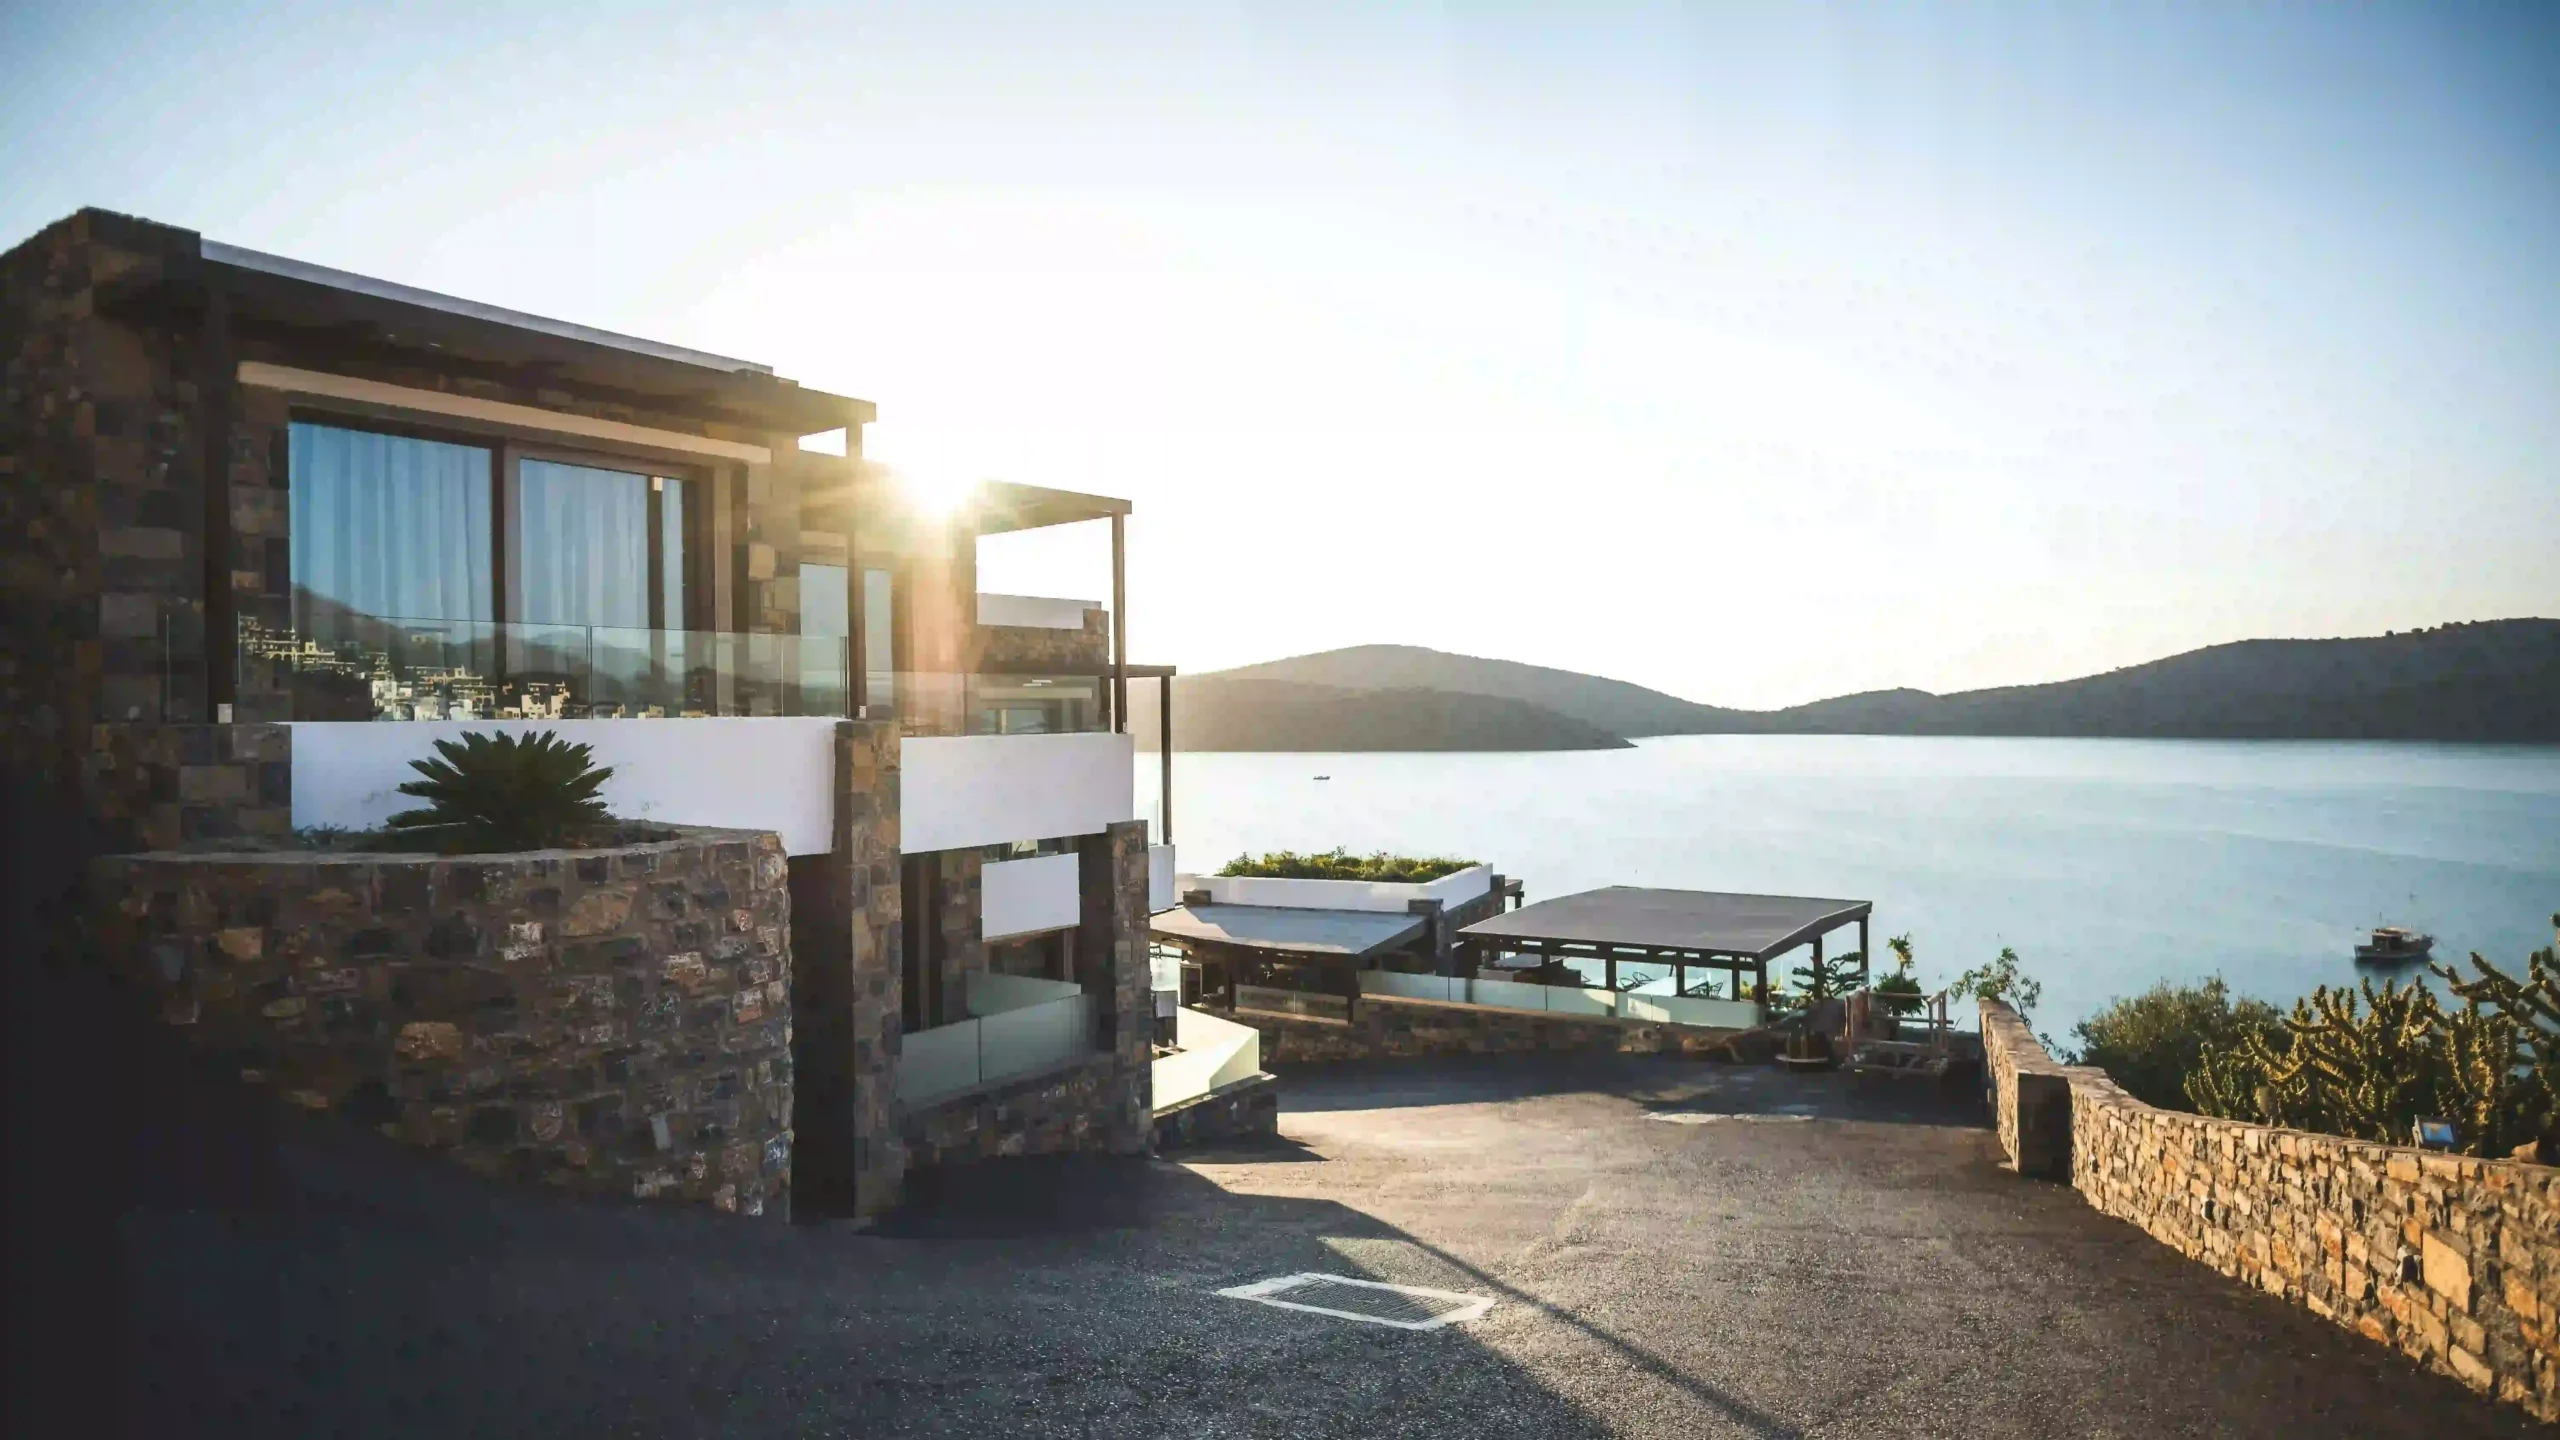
938,494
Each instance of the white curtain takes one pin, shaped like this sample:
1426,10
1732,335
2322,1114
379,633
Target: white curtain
387,526
580,551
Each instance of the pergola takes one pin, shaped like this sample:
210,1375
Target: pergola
1336,943
1704,929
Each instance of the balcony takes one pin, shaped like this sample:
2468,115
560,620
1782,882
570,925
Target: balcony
1017,1028
389,668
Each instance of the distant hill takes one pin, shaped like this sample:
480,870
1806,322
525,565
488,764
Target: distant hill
2490,681
1232,712
1611,705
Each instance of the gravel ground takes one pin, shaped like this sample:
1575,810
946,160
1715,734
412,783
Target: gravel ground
1850,1261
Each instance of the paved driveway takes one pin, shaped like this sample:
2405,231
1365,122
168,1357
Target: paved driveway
1851,1262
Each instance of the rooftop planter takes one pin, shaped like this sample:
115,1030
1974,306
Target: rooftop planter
610,1019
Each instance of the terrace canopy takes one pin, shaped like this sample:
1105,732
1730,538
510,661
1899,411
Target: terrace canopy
1339,942
1679,928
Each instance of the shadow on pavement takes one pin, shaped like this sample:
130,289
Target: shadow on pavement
1660,1083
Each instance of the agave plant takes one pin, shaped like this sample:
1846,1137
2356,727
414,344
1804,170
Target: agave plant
506,792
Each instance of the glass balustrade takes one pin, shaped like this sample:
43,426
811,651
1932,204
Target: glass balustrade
389,668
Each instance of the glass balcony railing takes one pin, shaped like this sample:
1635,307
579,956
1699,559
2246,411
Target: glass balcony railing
387,668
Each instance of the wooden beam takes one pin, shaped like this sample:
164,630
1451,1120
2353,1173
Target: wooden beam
313,384
1119,623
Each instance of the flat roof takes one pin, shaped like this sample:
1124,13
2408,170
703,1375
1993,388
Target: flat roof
1756,926
1317,934
243,258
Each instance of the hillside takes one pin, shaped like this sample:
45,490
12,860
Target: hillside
1225,712
1611,705
2490,681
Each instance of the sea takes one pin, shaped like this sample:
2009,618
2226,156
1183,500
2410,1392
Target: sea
2108,865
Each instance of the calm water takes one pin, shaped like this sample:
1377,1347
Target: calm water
2109,864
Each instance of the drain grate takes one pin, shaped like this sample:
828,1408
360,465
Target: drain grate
1372,1302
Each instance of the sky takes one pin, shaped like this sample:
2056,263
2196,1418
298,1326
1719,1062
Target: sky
1756,353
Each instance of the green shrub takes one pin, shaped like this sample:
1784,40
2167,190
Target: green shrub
2365,1063
1899,994
2150,1043
2004,980
1341,864
506,792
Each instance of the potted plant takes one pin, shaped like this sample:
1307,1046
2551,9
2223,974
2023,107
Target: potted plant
1809,1042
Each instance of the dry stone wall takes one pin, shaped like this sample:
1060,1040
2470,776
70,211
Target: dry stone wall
1381,1028
611,1021
2453,1261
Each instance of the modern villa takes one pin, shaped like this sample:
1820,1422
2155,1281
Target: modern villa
271,528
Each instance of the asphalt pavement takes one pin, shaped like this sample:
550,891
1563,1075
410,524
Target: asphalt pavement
1672,1248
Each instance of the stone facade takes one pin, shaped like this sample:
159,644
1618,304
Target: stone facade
1249,1107
2455,1262
157,787
1003,647
1061,1112
609,1021
1385,1028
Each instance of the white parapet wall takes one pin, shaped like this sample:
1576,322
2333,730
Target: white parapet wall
965,790
746,772
1034,612
1026,897
1450,890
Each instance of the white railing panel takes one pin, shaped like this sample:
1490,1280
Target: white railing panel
1215,1053
1026,897
957,791
1162,893
937,1062
1573,1000
772,773
1703,1010
1034,612
1375,895
1508,994
1413,987
984,992
1034,1038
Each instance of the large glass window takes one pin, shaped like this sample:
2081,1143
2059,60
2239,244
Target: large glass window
580,551
879,640
387,526
823,619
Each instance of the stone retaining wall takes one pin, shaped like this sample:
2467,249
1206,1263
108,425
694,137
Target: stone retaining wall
2453,1261
1408,1029
612,1021
1250,1106
1086,1108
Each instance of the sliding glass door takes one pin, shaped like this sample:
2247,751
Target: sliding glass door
586,588
394,579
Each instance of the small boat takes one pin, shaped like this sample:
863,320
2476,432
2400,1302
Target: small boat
1324,777
2392,945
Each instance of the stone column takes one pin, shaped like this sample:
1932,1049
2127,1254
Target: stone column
847,914
962,920
1111,964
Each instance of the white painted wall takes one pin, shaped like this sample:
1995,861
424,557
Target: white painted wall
749,772
1025,897
961,790
1450,890
1034,612
1162,892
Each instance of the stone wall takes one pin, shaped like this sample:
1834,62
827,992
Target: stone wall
1382,1028
612,1021
102,496
157,787
1000,647
1249,1107
2453,1261
1053,1114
